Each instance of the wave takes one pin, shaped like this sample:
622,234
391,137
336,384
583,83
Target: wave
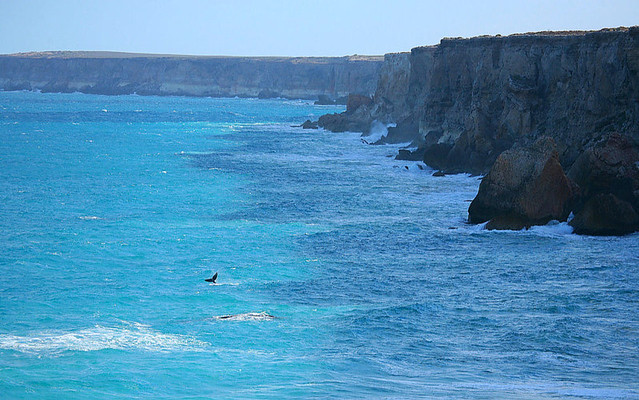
377,131
89,217
251,316
551,229
136,337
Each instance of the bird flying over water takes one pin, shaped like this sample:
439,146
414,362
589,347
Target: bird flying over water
212,279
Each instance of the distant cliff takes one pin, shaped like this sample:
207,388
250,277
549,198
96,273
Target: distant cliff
144,74
465,101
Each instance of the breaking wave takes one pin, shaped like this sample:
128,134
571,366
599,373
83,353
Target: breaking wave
136,337
251,316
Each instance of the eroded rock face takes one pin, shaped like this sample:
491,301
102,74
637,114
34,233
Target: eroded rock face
608,166
146,74
605,215
608,175
355,101
525,186
355,122
465,101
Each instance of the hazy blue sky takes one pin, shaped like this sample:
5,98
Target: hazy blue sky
287,27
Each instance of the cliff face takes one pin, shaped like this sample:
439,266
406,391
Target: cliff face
118,73
391,96
467,100
488,93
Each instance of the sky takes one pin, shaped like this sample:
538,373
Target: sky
286,27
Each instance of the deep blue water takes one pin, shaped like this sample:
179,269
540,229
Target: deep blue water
113,211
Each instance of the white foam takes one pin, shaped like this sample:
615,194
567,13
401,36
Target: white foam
551,229
251,316
377,131
135,337
225,284
89,217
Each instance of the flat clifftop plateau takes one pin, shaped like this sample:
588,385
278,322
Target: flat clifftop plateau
217,76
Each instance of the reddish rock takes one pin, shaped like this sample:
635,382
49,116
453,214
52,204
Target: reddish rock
605,215
355,101
610,166
608,176
525,186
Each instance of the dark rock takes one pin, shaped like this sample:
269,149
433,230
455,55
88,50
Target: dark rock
408,155
355,101
324,100
525,186
357,121
405,131
609,166
608,176
308,124
510,222
267,94
439,173
436,156
605,215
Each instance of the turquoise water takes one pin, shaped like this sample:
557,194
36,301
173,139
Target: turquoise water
114,210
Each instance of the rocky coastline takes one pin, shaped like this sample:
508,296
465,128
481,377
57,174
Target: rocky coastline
326,79
550,118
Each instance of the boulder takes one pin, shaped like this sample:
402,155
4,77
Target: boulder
308,124
324,100
357,121
605,215
608,175
408,155
526,186
355,101
608,166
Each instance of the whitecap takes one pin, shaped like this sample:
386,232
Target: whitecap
251,316
552,228
377,131
89,217
135,337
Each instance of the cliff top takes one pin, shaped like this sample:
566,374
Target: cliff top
552,35
121,55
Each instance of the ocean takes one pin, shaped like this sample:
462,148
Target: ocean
343,273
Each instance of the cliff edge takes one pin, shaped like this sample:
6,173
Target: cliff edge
157,74
466,102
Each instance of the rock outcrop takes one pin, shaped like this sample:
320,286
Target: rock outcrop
526,186
605,215
356,118
608,176
465,101
145,74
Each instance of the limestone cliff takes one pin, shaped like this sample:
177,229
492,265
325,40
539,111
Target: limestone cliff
144,74
465,101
